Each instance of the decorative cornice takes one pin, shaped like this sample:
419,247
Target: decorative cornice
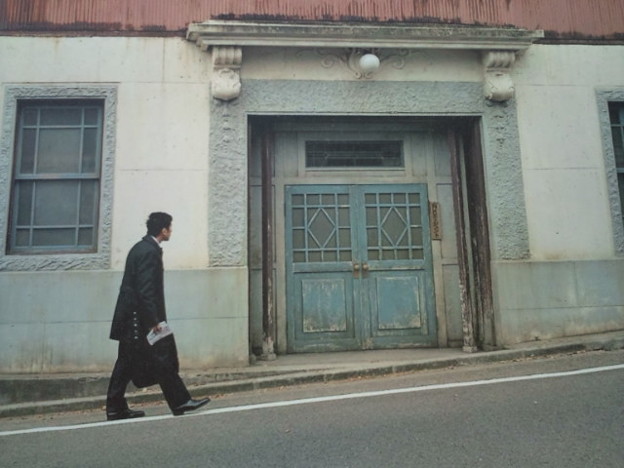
211,33
226,39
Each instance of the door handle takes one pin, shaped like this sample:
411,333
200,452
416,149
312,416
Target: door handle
357,268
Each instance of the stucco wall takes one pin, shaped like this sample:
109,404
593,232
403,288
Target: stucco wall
544,300
58,320
572,283
563,161
162,125
549,205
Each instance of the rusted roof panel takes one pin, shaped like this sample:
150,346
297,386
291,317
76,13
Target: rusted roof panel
560,18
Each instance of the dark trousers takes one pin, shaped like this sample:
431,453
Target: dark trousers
162,360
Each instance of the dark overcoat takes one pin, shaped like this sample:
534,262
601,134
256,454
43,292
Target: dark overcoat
141,301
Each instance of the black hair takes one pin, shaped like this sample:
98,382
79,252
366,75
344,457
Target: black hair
157,222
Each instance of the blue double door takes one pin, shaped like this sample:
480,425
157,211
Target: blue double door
358,267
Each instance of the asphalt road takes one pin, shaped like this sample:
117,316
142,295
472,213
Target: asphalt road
566,411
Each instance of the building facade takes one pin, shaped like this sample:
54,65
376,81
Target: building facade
358,176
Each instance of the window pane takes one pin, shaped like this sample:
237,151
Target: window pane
298,239
414,198
330,256
418,254
88,195
92,116
297,215
343,216
56,203
354,153
402,254
344,237
614,113
385,198
27,161
89,150
372,237
54,237
30,116
415,215
24,202
328,199
85,237
371,216
417,237
22,238
345,256
315,256
621,186
618,145
59,151
61,116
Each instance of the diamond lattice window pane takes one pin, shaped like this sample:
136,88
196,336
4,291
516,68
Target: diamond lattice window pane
322,228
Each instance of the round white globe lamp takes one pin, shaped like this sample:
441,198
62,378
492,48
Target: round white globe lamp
369,63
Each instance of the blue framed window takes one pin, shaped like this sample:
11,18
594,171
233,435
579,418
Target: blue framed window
56,178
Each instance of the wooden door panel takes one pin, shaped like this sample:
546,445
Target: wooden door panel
398,303
398,266
359,272
320,301
322,312
324,305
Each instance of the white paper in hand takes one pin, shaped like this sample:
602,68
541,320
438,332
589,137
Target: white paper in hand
165,330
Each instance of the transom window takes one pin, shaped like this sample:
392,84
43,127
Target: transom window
57,170
354,154
616,113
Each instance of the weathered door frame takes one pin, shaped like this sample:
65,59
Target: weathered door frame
473,246
469,198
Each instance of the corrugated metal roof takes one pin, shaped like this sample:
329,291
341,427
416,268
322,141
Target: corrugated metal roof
560,18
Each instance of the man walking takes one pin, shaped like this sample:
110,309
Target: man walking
140,309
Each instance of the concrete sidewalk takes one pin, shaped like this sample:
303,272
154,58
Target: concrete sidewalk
22,395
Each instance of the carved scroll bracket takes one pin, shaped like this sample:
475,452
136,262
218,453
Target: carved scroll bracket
498,85
226,63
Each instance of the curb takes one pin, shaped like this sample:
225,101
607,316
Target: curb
316,376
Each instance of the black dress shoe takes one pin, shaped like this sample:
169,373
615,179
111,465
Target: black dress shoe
190,405
124,414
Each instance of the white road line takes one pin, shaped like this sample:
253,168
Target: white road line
348,396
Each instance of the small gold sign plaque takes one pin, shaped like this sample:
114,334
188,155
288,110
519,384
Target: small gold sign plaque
436,225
